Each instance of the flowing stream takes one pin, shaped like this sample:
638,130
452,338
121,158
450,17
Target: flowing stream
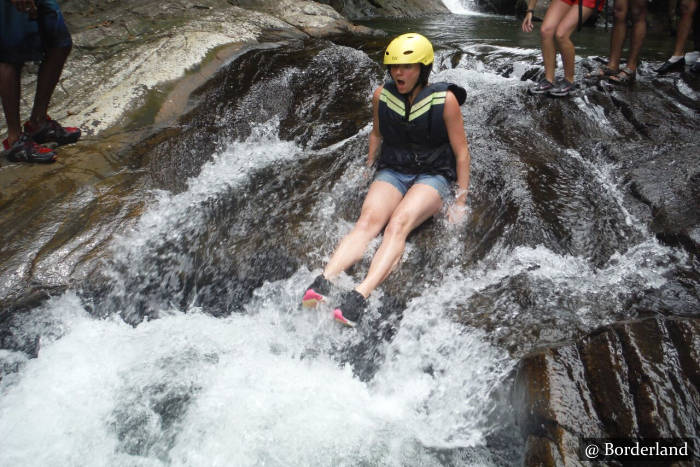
187,346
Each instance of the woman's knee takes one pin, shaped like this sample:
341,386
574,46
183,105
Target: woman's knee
369,223
688,7
398,226
638,11
562,35
547,31
620,13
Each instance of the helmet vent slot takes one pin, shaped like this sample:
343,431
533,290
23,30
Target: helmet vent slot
408,52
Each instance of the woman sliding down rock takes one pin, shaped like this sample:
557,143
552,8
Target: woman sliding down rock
420,131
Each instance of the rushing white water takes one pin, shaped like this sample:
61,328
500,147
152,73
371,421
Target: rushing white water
264,387
278,385
274,385
459,7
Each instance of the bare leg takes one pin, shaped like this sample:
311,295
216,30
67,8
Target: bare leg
687,9
639,31
556,11
49,74
619,33
420,203
562,37
379,204
10,93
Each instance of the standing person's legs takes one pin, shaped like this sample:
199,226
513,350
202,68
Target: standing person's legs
619,33
562,35
380,202
688,8
696,38
420,203
555,13
10,94
696,29
49,74
638,10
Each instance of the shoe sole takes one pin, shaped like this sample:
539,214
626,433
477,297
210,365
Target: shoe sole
311,299
561,94
44,161
338,316
311,303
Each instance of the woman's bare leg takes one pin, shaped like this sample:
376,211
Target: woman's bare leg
555,13
380,202
562,36
420,203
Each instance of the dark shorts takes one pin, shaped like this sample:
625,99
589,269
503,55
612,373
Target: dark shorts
26,40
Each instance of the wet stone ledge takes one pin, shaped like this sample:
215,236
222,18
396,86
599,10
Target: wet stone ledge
631,379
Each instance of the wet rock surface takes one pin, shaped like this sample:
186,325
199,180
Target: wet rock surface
121,73
58,221
634,379
398,8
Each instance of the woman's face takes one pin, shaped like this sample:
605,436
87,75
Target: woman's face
405,76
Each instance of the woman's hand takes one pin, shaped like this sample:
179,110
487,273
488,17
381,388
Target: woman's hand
527,22
25,6
457,213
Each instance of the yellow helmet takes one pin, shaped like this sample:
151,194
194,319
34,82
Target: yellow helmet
409,48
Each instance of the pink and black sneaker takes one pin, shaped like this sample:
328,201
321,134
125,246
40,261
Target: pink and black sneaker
317,291
51,132
26,150
351,309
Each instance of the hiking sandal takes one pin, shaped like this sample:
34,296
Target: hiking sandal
601,73
624,76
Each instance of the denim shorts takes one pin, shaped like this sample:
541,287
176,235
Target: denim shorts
403,182
23,39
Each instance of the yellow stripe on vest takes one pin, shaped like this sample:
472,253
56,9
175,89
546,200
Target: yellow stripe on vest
392,106
424,105
389,97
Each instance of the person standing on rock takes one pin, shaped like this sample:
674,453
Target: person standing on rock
637,10
32,30
560,21
677,61
420,148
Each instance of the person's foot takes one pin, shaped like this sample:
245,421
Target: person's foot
562,88
351,309
317,291
51,132
696,66
26,150
542,87
670,66
601,72
624,76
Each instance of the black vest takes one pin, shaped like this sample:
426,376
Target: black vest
414,138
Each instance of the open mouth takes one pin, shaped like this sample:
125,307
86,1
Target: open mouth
400,82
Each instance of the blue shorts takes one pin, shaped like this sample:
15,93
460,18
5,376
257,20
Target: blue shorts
403,182
26,40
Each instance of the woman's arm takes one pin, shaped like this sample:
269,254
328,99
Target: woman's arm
458,142
527,21
375,137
